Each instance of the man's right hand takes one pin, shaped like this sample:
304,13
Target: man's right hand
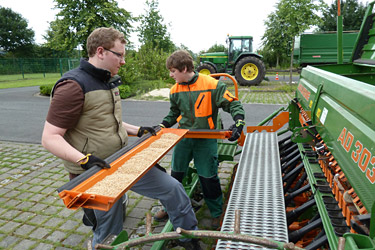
89,161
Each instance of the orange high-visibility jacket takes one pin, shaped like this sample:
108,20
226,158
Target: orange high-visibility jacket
195,104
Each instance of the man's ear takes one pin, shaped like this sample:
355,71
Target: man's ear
100,52
185,70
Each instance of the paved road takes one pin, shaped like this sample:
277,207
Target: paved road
283,77
32,216
23,112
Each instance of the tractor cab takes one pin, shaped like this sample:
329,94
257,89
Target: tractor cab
238,45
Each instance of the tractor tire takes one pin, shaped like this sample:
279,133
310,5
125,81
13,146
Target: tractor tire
250,71
206,69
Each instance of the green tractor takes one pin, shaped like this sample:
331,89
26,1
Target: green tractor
240,61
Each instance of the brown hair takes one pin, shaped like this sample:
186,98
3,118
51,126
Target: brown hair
179,60
104,37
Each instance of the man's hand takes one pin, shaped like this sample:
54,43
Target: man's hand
145,130
236,130
89,161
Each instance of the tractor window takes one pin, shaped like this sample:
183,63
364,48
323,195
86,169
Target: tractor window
245,45
235,49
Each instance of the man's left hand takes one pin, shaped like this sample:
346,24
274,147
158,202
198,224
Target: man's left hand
145,130
236,130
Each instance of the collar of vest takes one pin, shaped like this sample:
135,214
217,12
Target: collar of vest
192,80
101,74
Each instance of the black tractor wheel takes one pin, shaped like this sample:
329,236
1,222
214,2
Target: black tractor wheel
250,71
206,69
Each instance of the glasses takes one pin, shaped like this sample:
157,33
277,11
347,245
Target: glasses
121,57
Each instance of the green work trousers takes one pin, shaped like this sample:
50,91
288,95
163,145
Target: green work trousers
204,153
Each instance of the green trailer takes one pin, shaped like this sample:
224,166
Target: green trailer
321,48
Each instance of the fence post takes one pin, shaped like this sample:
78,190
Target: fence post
21,65
60,67
44,68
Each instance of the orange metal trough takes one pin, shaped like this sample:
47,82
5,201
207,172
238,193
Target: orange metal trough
76,197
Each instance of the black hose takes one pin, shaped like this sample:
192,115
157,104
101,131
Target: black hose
294,214
298,234
289,197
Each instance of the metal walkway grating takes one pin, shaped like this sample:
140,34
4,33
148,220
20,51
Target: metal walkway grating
258,192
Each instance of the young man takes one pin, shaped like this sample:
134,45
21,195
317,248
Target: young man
194,103
84,126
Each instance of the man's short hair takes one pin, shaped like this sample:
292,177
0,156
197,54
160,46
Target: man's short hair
179,60
104,37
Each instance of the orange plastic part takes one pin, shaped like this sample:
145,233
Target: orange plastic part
230,77
214,134
76,197
278,122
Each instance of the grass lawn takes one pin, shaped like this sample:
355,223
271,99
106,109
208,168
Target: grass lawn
17,81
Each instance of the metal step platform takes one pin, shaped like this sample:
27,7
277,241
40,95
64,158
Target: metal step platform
258,192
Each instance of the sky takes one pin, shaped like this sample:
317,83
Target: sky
197,24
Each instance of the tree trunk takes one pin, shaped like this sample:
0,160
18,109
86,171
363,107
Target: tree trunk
291,62
277,61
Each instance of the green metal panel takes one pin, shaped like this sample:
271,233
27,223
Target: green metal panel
322,47
215,57
226,151
363,73
369,48
344,117
364,52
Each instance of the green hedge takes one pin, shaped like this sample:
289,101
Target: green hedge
126,91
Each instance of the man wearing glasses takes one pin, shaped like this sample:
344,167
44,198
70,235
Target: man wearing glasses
84,126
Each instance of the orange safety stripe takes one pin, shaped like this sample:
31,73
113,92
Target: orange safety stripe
205,83
211,123
228,95
179,118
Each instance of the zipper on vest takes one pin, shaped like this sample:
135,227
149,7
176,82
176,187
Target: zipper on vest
200,102
191,107
118,123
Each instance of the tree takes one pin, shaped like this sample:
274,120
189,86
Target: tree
13,30
152,30
217,48
275,39
296,16
78,18
352,14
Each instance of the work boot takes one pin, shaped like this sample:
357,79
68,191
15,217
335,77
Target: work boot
161,215
215,223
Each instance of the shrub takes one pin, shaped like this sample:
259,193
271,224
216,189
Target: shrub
46,89
125,91
130,71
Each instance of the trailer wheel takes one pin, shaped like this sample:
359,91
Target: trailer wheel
206,69
250,71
